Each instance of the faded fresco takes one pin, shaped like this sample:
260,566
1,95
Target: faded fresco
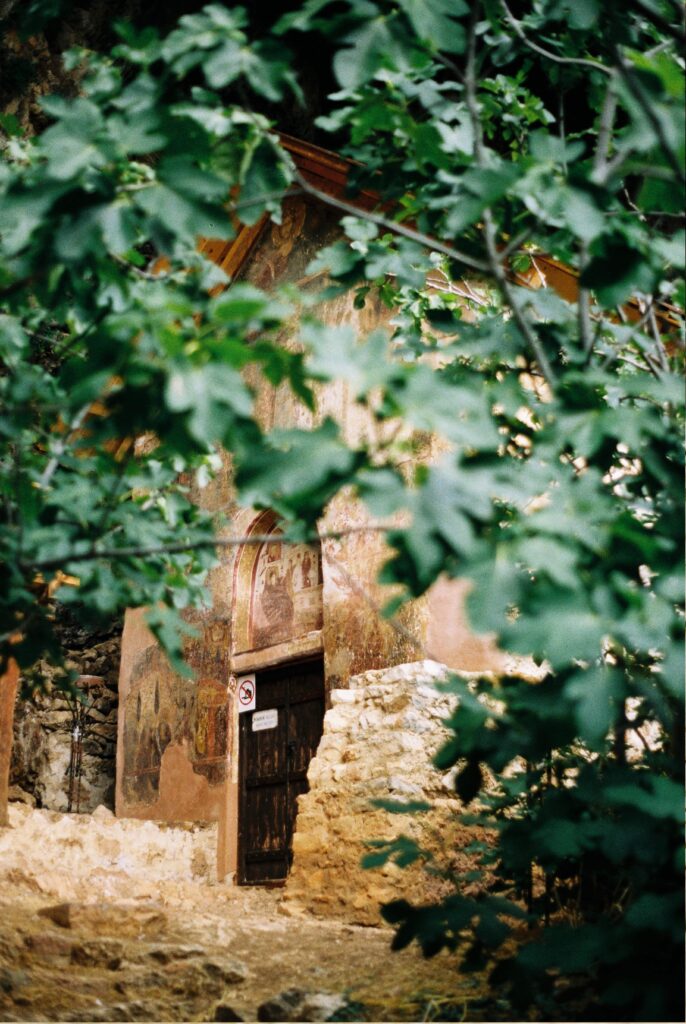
286,598
162,708
284,250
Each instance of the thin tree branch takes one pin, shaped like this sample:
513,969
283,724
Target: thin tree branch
489,231
450,64
563,129
245,204
584,307
391,225
61,446
600,157
617,355
93,553
144,275
69,345
511,300
644,102
16,286
653,52
514,244
605,128
647,365
660,22
614,164
660,350
516,25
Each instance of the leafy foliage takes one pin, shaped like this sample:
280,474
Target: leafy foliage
100,346
493,141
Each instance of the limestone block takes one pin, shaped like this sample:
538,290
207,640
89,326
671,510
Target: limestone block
372,718
307,820
314,769
353,774
332,741
119,919
346,696
395,701
434,700
101,730
16,794
340,717
397,784
54,719
379,894
96,716
347,824
413,672
330,755
309,842
412,742
98,953
316,879
417,722
297,1005
376,692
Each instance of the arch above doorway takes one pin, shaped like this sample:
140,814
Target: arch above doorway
277,606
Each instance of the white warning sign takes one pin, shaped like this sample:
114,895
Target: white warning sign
265,719
246,692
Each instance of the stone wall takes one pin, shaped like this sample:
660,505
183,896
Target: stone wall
44,723
378,740
98,857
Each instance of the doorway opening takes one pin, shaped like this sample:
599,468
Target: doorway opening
276,743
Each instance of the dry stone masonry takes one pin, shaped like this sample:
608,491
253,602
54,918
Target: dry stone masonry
378,741
51,766
69,857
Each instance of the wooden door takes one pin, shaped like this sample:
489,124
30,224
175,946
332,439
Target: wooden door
277,741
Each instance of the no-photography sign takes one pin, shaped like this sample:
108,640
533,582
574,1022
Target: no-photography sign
246,692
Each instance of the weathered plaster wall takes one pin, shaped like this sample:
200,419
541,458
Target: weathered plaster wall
356,636
378,740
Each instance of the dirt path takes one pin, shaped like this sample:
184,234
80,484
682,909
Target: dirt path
185,963
181,948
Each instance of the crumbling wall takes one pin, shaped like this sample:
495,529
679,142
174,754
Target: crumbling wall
98,857
378,740
44,725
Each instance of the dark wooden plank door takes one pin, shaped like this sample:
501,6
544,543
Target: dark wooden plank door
273,766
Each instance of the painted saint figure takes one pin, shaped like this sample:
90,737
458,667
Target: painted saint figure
276,600
305,569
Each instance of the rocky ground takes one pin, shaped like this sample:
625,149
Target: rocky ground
110,920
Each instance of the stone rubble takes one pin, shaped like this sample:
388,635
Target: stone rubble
296,1005
378,740
94,857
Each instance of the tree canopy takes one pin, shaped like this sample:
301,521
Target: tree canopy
492,135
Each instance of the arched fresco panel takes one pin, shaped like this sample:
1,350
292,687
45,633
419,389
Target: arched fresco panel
277,590
286,595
